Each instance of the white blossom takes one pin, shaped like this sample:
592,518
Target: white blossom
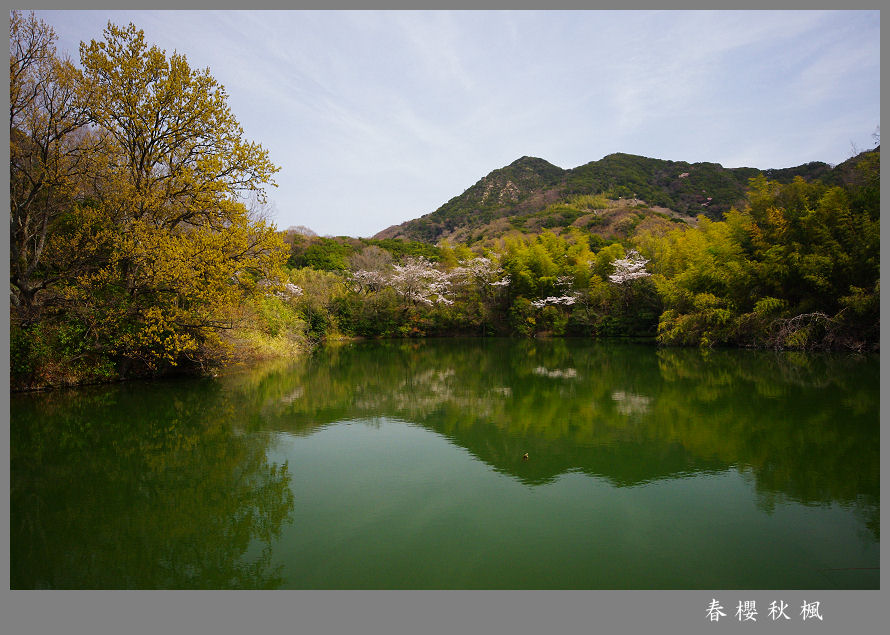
483,271
567,300
290,291
629,268
285,292
417,280
366,280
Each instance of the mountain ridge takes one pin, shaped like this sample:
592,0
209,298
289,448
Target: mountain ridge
531,193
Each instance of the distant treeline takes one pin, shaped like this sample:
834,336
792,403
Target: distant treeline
796,267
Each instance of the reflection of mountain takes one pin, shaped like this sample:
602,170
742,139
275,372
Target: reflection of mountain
622,463
806,427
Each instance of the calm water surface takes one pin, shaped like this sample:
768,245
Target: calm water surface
400,465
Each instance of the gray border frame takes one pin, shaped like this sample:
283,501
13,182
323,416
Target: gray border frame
393,612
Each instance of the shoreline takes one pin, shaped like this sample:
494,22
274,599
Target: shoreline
251,357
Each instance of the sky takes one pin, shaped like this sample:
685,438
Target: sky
378,117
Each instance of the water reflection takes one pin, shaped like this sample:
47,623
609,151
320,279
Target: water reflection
171,485
141,486
804,426
631,403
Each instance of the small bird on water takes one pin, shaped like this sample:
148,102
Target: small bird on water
525,457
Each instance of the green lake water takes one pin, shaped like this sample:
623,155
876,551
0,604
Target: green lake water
400,465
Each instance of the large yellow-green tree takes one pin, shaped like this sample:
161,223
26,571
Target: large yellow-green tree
144,246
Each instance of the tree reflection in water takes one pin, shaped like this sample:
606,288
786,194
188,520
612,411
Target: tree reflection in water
141,486
170,485
805,426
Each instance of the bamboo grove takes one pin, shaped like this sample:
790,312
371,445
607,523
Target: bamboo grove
138,244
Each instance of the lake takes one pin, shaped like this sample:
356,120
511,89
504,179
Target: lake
402,465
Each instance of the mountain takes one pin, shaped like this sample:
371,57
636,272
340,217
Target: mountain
514,189
531,194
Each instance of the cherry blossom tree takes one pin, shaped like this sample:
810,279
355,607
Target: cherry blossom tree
568,297
418,281
481,271
566,300
631,267
368,280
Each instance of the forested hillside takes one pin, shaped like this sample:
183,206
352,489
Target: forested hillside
531,187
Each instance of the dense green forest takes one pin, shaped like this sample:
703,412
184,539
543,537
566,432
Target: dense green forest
139,245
